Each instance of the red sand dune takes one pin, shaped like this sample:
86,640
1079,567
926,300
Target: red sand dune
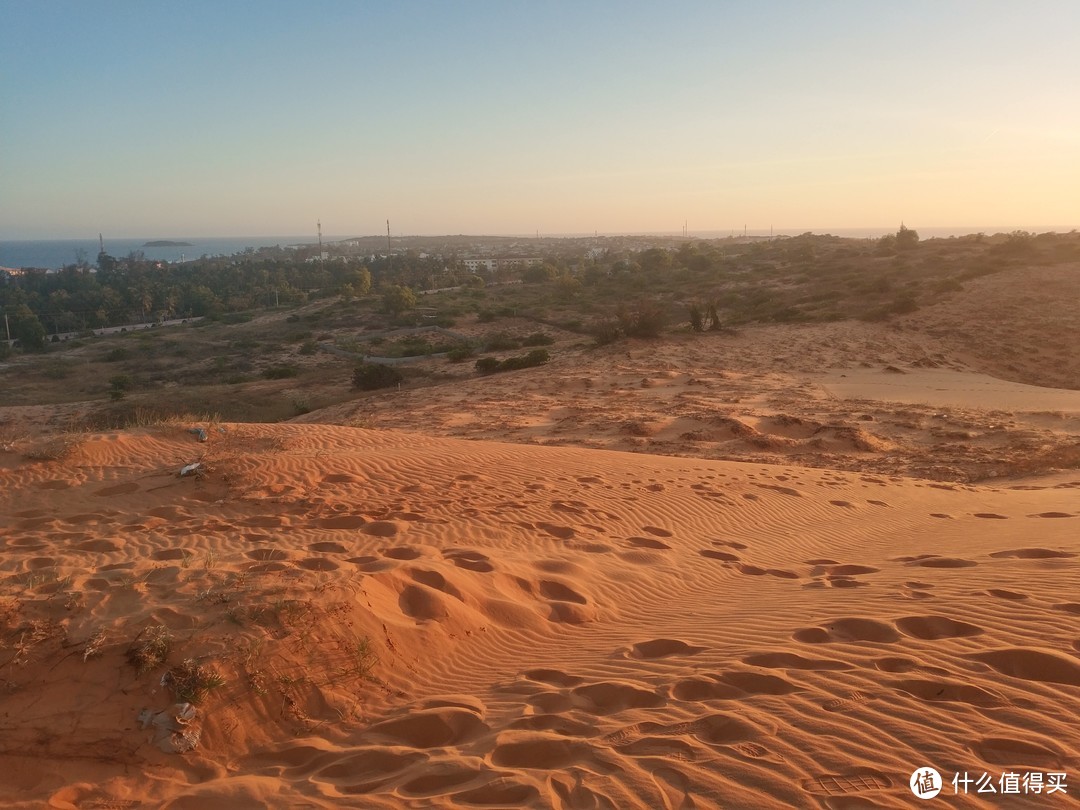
553,627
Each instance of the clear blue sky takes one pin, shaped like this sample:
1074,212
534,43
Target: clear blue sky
257,118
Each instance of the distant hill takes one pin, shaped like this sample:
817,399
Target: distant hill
167,243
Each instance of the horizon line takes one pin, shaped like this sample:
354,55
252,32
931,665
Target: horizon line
959,230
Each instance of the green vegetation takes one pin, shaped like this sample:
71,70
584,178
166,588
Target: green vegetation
150,650
191,682
490,365
372,376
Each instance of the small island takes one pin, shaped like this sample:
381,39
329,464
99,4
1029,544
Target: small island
167,243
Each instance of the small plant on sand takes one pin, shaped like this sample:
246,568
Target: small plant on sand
191,682
364,659
94,644
150,649
55,448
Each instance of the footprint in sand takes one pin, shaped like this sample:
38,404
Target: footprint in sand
943,691
845,784
1032,665
713,554
1032,554
786,660
118,489
436,581
342,522
102,546
735,544
647,542
1053,515
990,516
553,677
794,493
341,478
318,564
370,564
656,531
1001,593
556,530
1007,751
469,560
171,554
931,628
663,648
847,630
850,702
401,553
609,697
328,547
933,561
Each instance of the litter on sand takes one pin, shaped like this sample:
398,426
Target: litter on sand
173,731
199,432
190,468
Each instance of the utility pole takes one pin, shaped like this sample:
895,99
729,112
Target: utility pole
318,224
7,328
388,239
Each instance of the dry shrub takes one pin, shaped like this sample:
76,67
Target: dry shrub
191,682
150,649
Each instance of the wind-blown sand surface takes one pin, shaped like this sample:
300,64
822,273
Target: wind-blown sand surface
554,626
854,396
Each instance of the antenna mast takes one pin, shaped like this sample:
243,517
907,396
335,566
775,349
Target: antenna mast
388,239
318,224
101,241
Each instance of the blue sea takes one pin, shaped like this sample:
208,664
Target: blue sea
53,254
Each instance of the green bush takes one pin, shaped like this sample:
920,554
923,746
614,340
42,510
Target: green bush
501,341
372,376
644,319
489,365
280,372
116,355
605,331
459,354
538,339
537,357
697,319
121,382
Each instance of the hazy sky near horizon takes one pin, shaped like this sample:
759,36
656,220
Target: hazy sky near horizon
258,118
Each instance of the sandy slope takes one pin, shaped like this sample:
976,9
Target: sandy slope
555,627
854,396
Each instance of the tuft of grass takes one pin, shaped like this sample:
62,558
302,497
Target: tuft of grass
364,658
150,649
191,682
55,448
94,644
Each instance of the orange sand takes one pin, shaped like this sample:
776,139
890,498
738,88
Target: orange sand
555,627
